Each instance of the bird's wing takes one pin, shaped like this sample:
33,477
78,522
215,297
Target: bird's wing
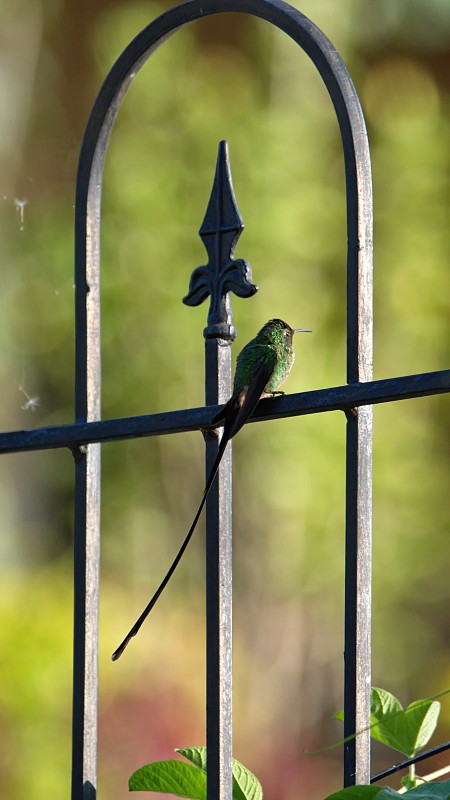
239,408
250,395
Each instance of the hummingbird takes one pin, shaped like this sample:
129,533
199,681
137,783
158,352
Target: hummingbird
261,367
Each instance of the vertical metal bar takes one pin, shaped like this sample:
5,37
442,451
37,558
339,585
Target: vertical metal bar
78,702
358,598
358,535
219,232
85,662
218,586
87,487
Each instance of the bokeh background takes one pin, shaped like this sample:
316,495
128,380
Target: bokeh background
237,78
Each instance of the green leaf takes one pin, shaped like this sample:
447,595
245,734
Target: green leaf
246,785
197,755
407,730
421,717
171,777
429,791
361,793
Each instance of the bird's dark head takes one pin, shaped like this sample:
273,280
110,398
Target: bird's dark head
280,330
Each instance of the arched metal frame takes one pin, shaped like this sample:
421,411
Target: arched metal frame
85,436
218,388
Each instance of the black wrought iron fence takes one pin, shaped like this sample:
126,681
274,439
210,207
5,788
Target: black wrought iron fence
222,275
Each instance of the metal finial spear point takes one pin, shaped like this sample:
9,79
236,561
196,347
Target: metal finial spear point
222,213
220,231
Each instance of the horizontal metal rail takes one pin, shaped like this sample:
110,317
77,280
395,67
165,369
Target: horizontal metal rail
337,398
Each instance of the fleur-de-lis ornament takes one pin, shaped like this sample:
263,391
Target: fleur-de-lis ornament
220,231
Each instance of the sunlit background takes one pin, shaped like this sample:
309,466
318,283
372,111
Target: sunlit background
237,78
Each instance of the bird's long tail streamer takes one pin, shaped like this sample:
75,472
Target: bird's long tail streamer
117,653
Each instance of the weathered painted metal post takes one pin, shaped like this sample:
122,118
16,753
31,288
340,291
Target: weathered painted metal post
220,232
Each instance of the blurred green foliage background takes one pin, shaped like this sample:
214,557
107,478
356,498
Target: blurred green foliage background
230,77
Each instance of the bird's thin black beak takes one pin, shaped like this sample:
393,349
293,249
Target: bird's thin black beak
302,330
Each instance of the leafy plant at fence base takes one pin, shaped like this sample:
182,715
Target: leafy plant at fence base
189,780
405,729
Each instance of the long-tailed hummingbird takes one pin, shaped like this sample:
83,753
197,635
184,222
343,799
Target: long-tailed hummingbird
261,367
